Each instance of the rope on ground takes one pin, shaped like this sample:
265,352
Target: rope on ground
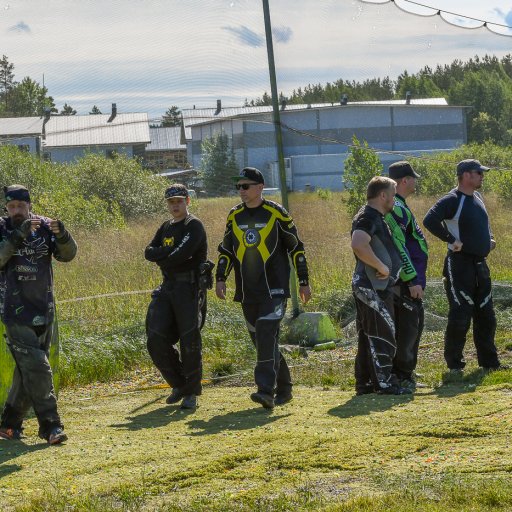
204,381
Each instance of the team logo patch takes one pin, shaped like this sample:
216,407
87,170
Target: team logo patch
168,242
25,268
251,237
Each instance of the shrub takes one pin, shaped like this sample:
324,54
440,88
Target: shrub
91,193
360,167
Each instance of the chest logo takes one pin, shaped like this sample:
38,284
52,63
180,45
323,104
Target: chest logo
251,237
168,242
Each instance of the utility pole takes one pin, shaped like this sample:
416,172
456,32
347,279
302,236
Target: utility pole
279,137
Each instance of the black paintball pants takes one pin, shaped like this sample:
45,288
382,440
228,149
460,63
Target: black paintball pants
173,316
409,317
376,340
32,384
271,375
468,288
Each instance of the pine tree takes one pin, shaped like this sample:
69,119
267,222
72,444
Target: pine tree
172,117
67,110
6,80
95,110
218,165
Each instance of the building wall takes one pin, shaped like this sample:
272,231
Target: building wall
329,131
29,144
71,154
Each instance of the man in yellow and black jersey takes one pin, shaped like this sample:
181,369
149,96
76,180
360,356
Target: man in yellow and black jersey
179,248
260,236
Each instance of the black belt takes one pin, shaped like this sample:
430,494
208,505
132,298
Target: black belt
182,277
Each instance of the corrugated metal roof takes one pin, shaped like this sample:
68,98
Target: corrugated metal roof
198,116
165,139
92,130
21,126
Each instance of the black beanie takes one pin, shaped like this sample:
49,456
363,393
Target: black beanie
16,193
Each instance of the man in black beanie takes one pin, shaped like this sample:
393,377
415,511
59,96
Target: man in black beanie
27,244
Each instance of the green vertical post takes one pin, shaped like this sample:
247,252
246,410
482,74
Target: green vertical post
279,137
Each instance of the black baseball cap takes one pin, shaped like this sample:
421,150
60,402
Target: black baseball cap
16,193
250,173
176,190
470,165
401,170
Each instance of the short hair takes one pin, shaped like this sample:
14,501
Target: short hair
377,184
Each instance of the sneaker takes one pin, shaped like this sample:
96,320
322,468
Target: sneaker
189,402
283,399
57,436
11,434
409,384
394,390
267,401
456,372
364,389
174,397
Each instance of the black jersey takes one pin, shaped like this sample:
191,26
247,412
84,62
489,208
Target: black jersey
26,279
256,243
178,246
372,222
458,216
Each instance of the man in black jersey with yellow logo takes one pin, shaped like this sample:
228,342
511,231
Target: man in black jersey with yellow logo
179,247
259,237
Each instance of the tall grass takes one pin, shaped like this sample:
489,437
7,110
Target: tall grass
103,337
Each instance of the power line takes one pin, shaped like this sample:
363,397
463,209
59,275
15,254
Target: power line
439,12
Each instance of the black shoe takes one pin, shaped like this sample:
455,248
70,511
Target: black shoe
189,402
394,390
174,397
11,434
57,436
364,389
267,401
283,399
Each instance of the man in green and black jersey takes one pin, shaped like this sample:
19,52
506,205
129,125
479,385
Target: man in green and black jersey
260,236
408,291
376,272
179,247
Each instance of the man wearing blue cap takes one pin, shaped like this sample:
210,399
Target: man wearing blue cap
260,236
179,248
460,219
27,244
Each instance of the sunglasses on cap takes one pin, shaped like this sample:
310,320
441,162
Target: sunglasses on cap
244,186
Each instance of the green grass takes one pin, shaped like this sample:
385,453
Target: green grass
103,337
442,449
445,448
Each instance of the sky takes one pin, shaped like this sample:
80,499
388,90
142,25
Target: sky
147,55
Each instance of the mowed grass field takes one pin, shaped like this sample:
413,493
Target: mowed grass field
446,448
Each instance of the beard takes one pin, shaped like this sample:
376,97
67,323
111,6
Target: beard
17,220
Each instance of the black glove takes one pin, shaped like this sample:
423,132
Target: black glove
21,232
62,235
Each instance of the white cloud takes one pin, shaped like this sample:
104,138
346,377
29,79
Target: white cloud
20,28
149,55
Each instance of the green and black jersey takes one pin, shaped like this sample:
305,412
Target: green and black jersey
410,242
256,243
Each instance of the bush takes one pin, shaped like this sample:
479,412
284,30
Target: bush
360,167
438,174
119,181
90,193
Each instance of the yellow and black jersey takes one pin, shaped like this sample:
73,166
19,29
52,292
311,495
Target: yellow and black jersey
178,246
256,243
